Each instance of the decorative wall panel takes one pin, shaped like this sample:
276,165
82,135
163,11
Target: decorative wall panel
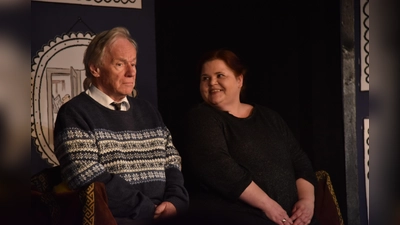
364,22
57,75
366,160
107,3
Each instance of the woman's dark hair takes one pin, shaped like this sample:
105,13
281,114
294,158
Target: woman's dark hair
228,56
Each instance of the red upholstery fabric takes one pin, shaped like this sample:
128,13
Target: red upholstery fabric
88,206
327,209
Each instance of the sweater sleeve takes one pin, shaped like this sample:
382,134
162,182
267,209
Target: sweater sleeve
301,163
206,153
175,191
77,153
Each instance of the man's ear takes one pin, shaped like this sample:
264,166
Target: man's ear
94,70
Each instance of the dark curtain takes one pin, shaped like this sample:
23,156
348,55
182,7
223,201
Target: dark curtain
292,50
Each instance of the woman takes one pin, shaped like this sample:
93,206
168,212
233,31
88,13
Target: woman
241,161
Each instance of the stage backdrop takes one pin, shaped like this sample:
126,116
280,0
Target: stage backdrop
60,35
362,101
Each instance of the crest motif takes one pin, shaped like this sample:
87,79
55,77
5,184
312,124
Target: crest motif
57,75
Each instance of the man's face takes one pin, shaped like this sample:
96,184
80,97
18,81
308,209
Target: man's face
116,77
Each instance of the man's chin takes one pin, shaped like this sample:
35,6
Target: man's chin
130,92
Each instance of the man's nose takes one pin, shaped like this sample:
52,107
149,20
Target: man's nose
131,71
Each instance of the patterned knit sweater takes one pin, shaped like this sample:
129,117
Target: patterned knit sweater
130,151
222,154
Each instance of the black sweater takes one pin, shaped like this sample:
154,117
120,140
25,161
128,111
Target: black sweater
222,154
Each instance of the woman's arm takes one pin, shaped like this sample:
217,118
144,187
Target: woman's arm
303,210
256,197
305,189
206,155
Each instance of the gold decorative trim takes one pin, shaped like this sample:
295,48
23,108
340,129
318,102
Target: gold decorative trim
87,198
323,175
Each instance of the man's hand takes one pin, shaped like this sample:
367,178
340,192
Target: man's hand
164,210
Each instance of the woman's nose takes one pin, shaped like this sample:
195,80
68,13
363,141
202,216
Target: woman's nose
213,80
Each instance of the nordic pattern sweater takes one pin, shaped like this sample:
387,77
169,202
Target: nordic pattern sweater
131,152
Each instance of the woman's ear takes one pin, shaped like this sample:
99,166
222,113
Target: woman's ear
240,80
94,70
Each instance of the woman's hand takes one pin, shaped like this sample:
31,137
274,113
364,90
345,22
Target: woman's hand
164,210
276,213
256,197
302,212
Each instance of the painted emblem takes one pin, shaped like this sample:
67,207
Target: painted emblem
57,75
107,3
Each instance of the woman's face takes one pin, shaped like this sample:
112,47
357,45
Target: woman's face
219,86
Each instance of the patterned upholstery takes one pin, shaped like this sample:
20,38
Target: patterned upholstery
53,203
327,209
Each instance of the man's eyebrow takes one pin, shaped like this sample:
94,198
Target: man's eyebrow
124,60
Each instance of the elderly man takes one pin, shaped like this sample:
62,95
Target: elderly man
105,135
